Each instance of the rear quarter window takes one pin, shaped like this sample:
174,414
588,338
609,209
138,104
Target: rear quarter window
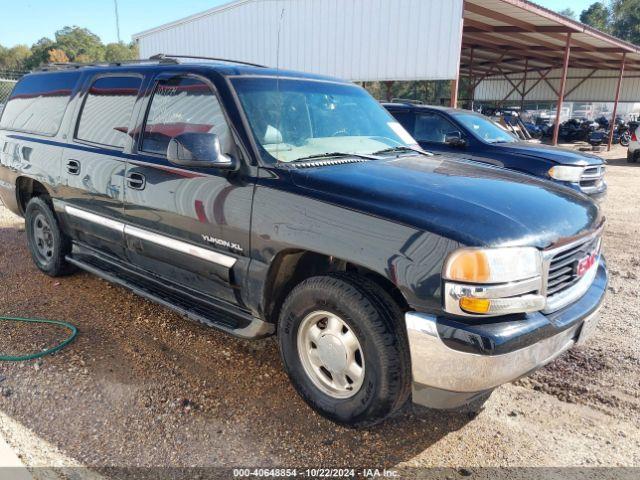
107,108
38,102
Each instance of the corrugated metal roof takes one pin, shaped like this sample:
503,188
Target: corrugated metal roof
409,40
504,34
360,40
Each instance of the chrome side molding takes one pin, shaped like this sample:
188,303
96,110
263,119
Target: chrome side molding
92,217
162,240
180,246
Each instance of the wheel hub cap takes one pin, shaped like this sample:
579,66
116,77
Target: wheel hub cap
43,238
331,354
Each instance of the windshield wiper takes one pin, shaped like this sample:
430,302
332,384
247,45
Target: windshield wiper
337,155
403,148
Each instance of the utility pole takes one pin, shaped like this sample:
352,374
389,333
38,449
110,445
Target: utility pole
115,3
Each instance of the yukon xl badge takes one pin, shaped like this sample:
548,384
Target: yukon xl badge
218,242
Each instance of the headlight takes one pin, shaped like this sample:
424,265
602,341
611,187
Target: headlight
566,173
493,265
493,281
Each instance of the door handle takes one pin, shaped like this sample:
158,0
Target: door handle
73,167
136,181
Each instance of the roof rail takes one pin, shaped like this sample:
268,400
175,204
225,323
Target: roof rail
161,56
407,100
75,65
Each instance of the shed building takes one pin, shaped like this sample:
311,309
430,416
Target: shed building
509,49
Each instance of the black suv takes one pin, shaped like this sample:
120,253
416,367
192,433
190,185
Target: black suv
261,201
467,134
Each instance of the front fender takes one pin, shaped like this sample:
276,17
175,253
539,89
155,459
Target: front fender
286,219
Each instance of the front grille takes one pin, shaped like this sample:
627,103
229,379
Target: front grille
592,176
563,273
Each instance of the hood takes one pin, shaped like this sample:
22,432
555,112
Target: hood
474,204
562,156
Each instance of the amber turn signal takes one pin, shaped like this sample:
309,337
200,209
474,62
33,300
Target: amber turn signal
475,305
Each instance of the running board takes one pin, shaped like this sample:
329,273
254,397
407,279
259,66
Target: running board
238,324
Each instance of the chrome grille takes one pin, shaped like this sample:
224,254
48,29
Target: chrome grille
562,283
592,177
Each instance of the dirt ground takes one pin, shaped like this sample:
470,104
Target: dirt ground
142,386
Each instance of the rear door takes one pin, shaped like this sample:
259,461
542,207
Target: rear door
189,225
94,161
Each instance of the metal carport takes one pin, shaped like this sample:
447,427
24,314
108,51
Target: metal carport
517,50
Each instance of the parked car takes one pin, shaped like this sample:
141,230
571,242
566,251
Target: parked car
633,154
471,135
262,202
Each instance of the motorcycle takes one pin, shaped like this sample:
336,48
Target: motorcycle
621,135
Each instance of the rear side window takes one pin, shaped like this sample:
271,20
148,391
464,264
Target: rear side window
107,111
38,102
183,105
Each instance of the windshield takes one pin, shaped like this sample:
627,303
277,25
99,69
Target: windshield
294,119
485,129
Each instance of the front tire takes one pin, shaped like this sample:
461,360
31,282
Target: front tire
344,349
48,245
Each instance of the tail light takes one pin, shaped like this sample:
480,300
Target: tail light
634,137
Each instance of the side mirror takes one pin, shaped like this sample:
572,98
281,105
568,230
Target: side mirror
194,149
455,139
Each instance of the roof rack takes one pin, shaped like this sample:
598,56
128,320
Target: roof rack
407,100
77,65
162,56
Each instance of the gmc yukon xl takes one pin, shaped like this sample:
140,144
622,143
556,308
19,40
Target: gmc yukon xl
264,202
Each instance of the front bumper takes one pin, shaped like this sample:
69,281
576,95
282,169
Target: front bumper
453,362
597,192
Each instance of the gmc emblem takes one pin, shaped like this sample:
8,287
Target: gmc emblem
586,263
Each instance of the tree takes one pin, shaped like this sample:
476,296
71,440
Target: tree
569,13
117,52
14,58
57,56
626,20
39,53
79,42
83,58
597,16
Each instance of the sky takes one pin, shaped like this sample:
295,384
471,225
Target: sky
26,21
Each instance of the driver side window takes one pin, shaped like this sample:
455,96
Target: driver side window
433,128
183,105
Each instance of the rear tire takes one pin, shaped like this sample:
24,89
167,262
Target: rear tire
358,382
48,245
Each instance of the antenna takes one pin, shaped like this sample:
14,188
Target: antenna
278,39
278,76
115,4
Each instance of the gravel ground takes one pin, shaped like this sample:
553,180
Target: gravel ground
142,386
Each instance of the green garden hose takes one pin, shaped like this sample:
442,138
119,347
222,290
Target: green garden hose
22,358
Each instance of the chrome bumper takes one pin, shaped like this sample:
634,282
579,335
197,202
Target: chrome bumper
446,378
